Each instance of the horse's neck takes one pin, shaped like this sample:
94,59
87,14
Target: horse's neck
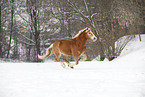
81,40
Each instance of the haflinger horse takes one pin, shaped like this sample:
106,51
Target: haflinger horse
73,47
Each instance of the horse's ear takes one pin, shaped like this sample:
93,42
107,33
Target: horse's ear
87,28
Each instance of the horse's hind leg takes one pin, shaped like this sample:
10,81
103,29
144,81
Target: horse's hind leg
57,52
69,64
65,59
76,62
57,59
58,55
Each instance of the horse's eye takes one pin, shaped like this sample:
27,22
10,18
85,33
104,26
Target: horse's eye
89,33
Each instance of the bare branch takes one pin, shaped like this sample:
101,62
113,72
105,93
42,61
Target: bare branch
26,43
26,37
23,18
86,6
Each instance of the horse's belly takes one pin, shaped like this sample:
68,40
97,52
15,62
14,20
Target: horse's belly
65,48
66,52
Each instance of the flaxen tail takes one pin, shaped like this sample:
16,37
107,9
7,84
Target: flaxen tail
49,52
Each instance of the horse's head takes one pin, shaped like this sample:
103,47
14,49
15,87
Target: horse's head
90,35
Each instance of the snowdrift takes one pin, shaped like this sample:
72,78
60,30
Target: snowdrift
134,50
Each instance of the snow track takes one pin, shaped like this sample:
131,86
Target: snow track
88,79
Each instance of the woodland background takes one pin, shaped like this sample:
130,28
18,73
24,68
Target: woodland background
28,27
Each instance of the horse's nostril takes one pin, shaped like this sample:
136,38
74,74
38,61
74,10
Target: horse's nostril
94,39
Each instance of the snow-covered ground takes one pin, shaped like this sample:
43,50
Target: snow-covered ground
122,77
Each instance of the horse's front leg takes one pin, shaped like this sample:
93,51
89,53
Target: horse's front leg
84,57
76,62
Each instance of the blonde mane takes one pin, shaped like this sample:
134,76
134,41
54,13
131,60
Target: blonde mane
80,32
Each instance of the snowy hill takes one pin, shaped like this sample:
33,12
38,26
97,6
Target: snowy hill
134,50
122,77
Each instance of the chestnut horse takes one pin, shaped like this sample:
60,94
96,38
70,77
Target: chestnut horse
73,47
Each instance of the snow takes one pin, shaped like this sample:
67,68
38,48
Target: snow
122,77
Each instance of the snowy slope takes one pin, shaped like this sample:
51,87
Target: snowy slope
134,51
123,77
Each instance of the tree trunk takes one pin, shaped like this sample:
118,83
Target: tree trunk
11,29
36,34
137,28
29,49
0,35
101,50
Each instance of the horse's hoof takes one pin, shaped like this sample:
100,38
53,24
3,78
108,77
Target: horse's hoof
63,65
72,67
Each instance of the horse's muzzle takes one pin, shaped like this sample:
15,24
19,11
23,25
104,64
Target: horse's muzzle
94,39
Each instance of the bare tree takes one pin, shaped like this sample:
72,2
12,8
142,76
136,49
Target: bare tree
0,31
4,12
110,20
32,8
11,26
32,25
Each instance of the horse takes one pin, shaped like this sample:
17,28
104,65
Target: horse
75,47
